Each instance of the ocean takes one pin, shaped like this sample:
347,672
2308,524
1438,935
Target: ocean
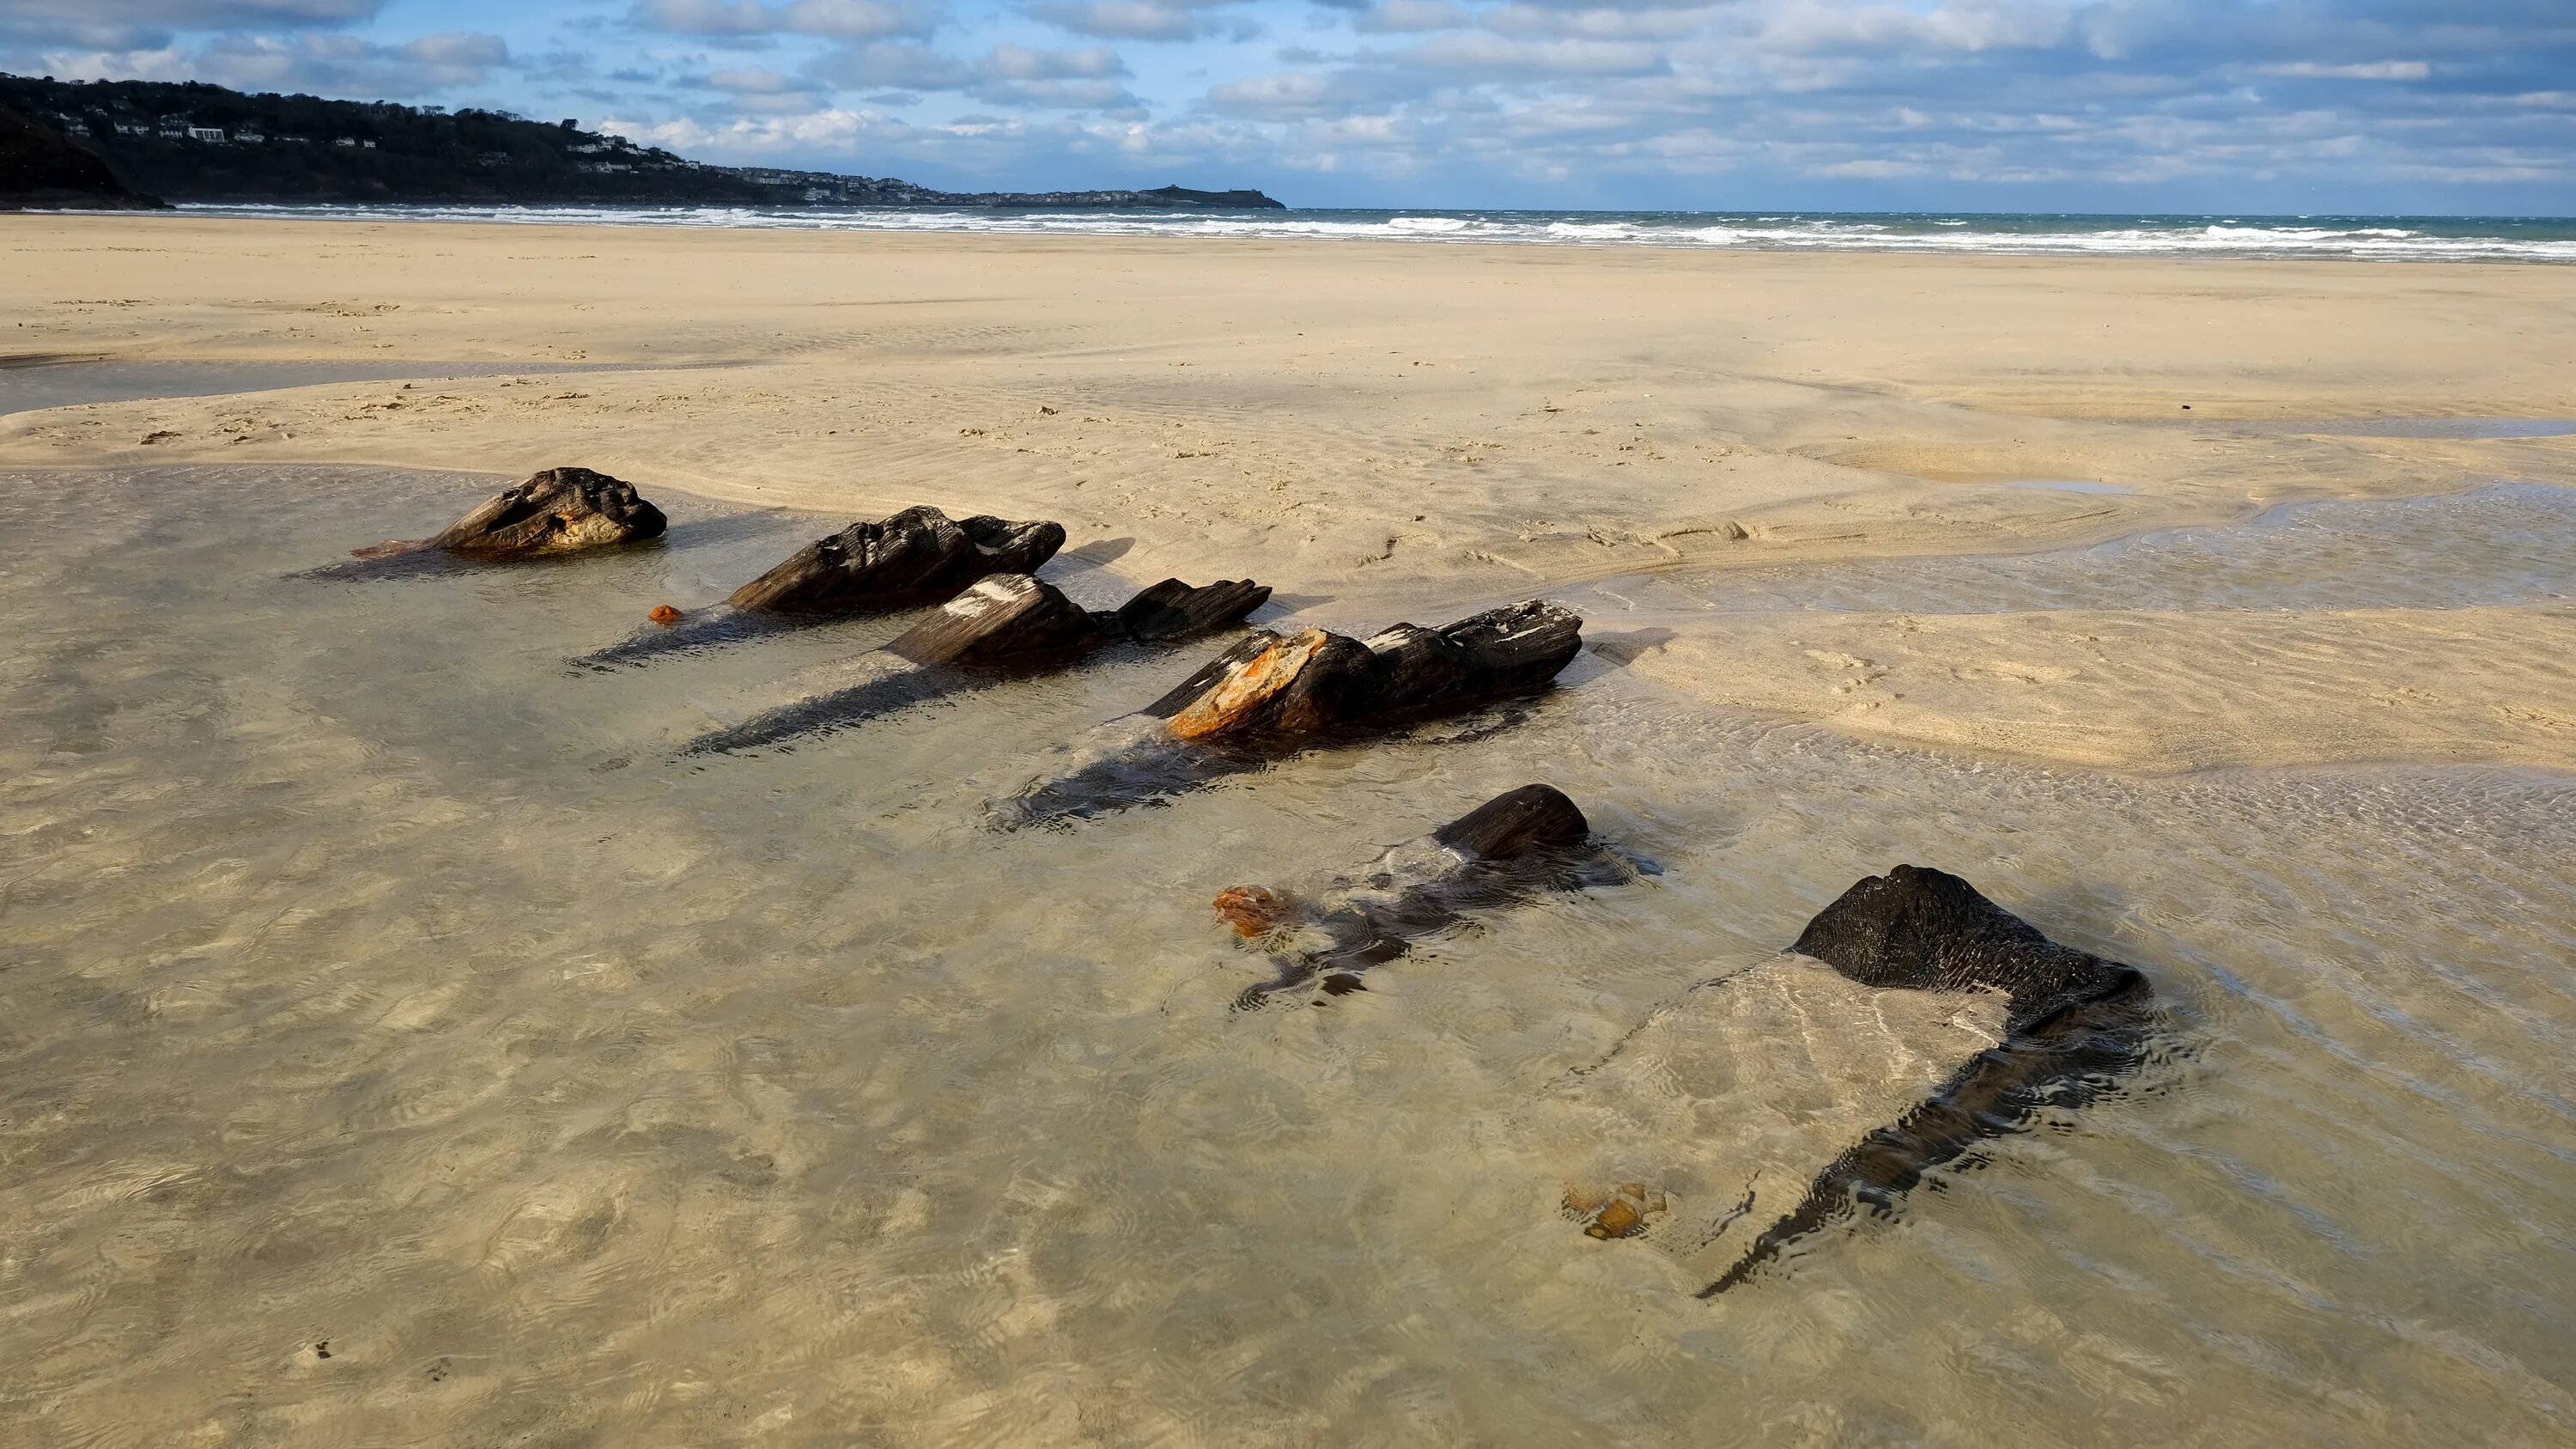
2390,238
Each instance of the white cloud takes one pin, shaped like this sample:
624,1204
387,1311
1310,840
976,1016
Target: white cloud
1399,17
745,19
149,24
2396,70
1156,20
335,65
1087,79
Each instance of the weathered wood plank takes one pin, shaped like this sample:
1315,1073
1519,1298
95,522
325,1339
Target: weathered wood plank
913,557
918,556
558,511
1006,626
1514,847
1272,693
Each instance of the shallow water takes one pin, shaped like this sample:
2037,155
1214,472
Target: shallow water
373,982
2512,543
27,387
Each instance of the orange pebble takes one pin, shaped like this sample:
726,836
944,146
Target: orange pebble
665,615
1251,909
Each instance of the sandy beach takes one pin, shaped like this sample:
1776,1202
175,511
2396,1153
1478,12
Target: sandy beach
1390,428
406,1038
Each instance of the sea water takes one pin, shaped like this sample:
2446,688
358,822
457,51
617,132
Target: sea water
402,1043
2393,238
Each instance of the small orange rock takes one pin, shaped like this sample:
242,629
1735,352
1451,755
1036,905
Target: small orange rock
1619,1219
665,615
1251,910
1617,1212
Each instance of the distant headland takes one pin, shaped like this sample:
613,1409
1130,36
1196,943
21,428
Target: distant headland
197,142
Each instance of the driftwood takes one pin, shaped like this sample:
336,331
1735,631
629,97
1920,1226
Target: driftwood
918,556
1913,996
561,510
1006,626
1272,694
1517,845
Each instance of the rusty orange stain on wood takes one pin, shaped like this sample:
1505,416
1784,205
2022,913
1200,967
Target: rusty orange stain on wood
1256,681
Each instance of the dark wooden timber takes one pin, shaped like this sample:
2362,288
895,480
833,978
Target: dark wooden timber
2077,1024
1272,694
917,556
1014,619
558,511
1518,845
1004,627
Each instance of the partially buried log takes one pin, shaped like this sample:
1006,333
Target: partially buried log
918,556
1912,1000
561,510
1007,626
1273,693
1520,844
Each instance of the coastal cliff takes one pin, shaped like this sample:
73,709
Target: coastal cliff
42,167
205,143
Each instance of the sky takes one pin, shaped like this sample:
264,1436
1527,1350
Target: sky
2270,106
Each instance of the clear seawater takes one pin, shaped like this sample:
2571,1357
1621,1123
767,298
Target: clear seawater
401,1043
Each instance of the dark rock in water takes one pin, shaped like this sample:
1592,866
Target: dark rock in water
1006,626
1517,845
1929,930
1912,995
2076,1022
561,510
917,556
1274,693
42,167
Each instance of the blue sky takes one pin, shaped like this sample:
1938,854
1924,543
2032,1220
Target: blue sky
2255,105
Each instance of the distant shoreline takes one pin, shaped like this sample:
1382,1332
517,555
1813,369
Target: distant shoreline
2544,240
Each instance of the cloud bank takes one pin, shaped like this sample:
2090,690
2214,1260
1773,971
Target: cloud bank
2274,105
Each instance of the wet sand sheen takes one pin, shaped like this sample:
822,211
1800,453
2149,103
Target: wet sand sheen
376,983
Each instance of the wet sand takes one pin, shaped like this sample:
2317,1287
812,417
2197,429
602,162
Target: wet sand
1384,428
399,1032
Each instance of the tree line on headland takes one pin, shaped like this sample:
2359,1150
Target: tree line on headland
190,141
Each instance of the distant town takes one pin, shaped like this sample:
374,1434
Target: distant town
196,142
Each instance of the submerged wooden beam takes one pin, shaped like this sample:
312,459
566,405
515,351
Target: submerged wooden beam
1006,626
558,511
918,556
1274,693
1518,845
1912,999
